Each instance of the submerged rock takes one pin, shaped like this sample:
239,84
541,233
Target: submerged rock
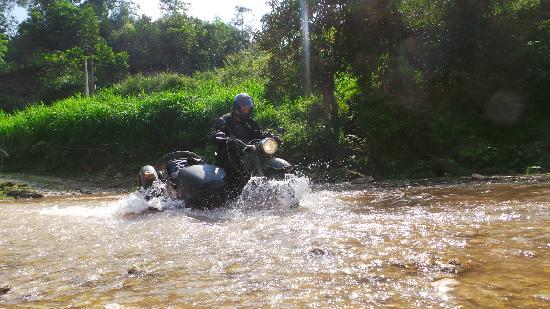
5,288
453,266
320,252
132,270
317,251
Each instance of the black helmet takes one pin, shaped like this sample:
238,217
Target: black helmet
241,104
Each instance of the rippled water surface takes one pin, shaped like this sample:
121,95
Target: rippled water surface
467,245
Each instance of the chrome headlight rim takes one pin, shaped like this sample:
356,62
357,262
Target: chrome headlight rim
269,146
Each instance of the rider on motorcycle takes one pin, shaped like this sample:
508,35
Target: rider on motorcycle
238,124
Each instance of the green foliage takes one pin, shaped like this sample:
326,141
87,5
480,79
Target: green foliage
412,87
63,72
248,63
52,45
3,47
535,169
305,128
346,89
109,66
170,7
141,84
300,65
53,42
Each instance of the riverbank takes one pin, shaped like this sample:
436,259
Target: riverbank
60,185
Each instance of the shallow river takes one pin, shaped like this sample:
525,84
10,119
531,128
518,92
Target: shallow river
444,246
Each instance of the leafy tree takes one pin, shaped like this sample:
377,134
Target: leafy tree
57,26
123,12
171,7
285,36
241,21
110,66
103,9
215,42
141,41
3,47
178,42
5,10
53,43
239,18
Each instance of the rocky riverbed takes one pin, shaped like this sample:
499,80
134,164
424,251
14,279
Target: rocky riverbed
16,185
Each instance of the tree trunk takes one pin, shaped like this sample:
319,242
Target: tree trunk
330,106
92,79
86,82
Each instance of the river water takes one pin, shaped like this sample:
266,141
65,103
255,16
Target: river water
462,245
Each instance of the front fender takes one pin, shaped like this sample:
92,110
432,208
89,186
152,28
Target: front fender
276,164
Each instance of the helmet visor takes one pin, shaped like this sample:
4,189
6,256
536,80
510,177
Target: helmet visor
246,106
245,109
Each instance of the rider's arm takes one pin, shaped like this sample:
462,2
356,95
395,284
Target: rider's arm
256,130
219,131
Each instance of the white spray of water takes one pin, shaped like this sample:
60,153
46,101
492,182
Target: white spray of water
257,195
271,194
131,204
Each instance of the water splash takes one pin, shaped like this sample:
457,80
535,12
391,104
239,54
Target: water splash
257,195
261,194
306,46
132,204
136,203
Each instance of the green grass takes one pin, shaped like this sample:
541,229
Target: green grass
120,125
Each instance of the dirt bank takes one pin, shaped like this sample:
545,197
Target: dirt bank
62,185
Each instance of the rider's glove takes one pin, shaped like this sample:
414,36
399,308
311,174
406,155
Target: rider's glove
220,136
249,148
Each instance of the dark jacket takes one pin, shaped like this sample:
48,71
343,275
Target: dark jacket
245,130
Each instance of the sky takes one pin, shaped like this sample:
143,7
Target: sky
210,9
203,9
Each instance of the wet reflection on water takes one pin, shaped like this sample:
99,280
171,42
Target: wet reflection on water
419,246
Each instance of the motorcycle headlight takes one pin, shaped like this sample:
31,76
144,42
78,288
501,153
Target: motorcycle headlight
269,146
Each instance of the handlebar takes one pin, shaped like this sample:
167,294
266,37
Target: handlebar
245,147
231,140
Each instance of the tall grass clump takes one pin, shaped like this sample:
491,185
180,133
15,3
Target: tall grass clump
147,84
121,126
